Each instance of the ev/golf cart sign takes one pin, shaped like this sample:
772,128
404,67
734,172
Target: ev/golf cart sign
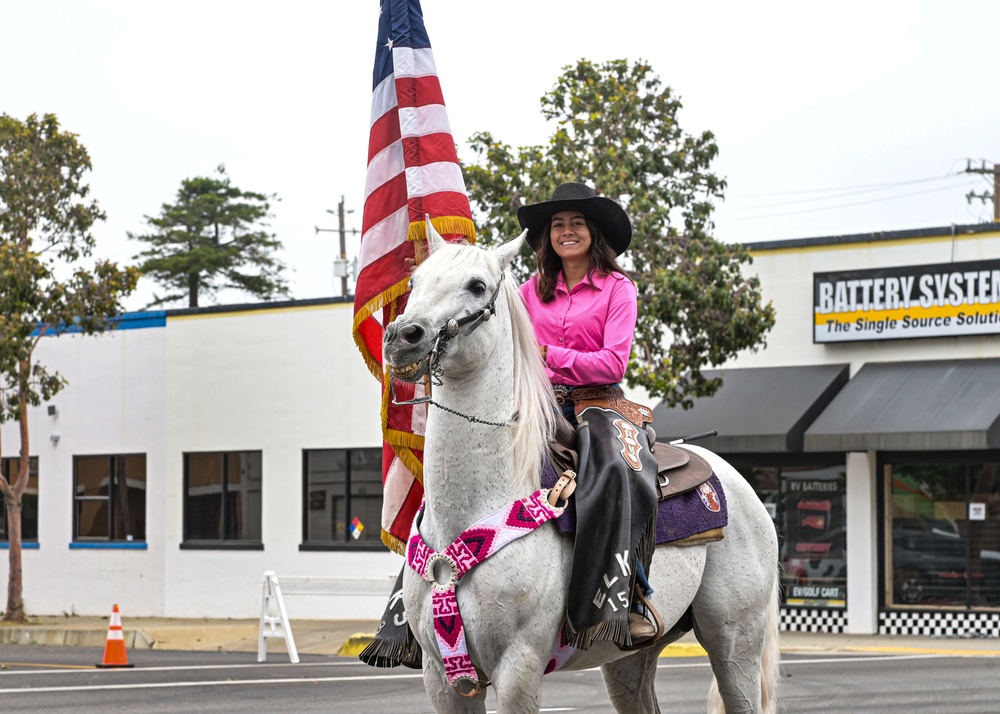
945,300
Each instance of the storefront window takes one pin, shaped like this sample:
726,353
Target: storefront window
944,521
808,507
109,497
29,499
222,498
812,521
343,497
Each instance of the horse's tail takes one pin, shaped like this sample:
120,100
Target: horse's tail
770,665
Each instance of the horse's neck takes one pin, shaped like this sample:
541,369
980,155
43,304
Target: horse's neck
468,466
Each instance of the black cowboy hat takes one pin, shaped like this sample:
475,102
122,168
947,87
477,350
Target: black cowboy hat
606,213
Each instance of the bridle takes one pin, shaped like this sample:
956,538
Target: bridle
432,362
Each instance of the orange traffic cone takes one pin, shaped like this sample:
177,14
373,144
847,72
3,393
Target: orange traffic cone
114,647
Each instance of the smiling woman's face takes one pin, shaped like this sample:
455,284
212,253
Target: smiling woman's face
569,235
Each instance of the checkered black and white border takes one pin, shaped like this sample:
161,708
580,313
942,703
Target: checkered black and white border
939,624
804,619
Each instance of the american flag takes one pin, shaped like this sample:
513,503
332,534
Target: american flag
413,172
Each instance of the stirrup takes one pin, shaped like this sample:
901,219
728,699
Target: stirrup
654,615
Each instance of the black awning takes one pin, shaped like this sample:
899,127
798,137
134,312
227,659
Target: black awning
757,410
913,406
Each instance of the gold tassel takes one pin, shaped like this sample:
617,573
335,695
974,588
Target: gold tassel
446,226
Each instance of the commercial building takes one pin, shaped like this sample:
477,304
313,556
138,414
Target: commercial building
192,450
870,427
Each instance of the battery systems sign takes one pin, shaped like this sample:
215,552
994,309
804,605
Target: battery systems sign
945,300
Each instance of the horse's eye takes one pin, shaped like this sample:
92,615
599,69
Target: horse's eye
477,287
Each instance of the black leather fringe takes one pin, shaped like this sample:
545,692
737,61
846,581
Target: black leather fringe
387,653
394,644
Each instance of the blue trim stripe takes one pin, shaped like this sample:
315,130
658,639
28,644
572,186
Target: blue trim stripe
25,545
126,321
141,320
108,545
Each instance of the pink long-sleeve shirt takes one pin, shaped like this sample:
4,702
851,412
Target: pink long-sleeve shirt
588,329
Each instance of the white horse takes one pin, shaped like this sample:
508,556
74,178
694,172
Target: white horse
488,425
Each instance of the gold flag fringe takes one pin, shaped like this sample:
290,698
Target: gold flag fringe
387,296
445,225
393,543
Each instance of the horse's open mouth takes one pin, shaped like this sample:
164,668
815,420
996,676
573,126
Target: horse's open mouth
408,373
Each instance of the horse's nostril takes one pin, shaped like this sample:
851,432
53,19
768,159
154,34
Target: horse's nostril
390,332
412,333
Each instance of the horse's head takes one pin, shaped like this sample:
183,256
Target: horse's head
447,327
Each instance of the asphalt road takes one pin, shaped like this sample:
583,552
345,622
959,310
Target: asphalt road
52,679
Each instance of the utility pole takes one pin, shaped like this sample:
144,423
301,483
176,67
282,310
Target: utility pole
340,267
986,195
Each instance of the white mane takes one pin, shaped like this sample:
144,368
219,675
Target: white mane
536,407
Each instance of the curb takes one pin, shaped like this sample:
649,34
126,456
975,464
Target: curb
54,636
683,649
355,645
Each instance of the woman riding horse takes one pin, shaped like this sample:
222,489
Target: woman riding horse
583,306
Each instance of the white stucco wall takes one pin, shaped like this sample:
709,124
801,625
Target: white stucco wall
276,381
114,404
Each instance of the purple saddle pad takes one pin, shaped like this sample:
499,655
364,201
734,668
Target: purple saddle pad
696,511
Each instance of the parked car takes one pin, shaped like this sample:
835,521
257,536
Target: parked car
929,561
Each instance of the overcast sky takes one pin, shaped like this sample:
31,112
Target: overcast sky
831,118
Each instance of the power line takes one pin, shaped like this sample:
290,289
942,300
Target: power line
855,192
848,205
872,186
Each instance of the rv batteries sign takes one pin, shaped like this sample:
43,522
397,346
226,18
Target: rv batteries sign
945,300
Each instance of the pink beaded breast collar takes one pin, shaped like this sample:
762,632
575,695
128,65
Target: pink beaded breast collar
473,546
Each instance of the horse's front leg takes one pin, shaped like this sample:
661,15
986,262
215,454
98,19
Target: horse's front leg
517,679
444,697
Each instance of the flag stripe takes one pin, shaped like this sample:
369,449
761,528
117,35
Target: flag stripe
418,121
383,202
383,100
413,62
384,133
430,149
383,169
440,203
428,179
418,91
387,235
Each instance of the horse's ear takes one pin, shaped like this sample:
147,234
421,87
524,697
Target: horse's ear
434,240
508,251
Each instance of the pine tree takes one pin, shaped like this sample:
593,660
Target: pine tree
213,237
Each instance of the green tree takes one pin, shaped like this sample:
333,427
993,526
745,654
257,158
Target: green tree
213,237
45,223
616,129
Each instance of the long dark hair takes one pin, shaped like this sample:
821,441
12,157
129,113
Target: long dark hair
602,260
